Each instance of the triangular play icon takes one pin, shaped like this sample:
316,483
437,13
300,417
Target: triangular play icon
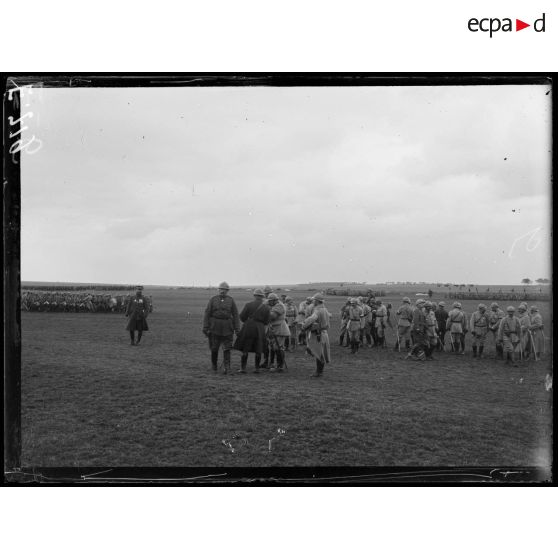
519,25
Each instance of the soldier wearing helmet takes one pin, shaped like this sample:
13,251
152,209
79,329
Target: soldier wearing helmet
318,340
495,316
479,325
354,315
457,325
508,335
278,333
404,318
220,322
305,309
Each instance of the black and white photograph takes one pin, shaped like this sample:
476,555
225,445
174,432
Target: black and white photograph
260,272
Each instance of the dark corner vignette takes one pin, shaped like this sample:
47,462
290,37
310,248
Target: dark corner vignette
14,122
13,146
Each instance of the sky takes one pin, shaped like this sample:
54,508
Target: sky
269,185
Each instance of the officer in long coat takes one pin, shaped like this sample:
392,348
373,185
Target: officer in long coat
318,340
441,317
136,312
252,337
537,332
220,322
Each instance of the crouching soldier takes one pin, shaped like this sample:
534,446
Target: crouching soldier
220,322
480,322
318,340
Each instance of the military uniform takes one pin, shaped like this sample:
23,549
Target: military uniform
441,318
495,316
136,312
291,313
405,318
418,328
380,324
431,332
354,315
508,334
537,332
344,319
524,338
457,325
220,322
318,340
479,325
252,337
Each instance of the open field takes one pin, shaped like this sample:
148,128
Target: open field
91,399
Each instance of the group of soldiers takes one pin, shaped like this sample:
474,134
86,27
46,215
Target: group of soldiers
270,326
36,301
423,327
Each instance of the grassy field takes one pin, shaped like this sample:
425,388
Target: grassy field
89,398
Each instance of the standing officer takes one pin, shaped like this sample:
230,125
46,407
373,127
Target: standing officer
137,311
291,313
456,323
495,316
441,317
278,332
537,332
525,321
353,325
220,321
318,343
431,329
252,337
343,332
405,317
418,326
508,335
381,323
480,322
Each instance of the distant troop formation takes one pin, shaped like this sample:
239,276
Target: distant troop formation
499,295
37,301
269,327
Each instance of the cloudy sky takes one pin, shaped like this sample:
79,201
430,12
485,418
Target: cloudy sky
256,185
